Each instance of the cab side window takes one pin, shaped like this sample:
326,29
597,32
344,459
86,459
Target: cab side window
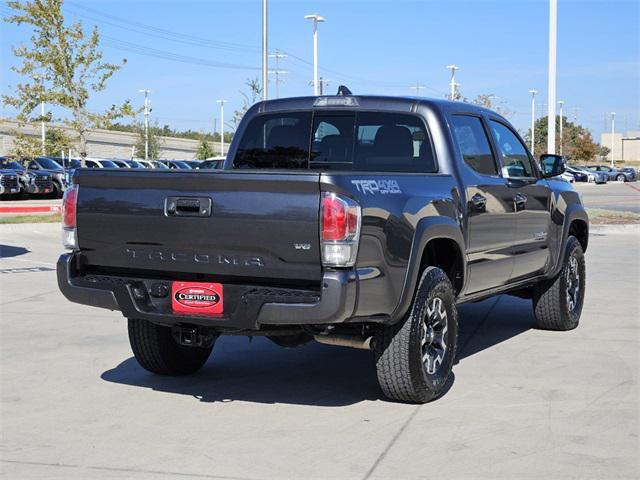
473,143
515,158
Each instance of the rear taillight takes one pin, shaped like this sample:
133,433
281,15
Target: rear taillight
340,220
69,220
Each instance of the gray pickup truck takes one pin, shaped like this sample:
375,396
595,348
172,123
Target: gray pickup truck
360,221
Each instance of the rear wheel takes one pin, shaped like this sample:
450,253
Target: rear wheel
414,357
157,351
558,303
621,178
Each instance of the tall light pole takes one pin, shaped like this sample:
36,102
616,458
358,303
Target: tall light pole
146,122
453,83
553,43
265,57
613,130
42,133
533,120
561,103
316,19
221,102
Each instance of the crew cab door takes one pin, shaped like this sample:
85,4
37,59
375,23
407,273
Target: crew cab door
490,218
530,196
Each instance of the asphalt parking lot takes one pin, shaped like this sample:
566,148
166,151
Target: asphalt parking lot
624,197
523,404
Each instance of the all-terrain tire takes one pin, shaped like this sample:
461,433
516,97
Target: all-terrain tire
156,350
402,374
555,306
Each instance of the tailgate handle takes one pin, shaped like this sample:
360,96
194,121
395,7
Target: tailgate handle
187,206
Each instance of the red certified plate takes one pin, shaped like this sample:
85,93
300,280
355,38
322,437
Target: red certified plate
195,298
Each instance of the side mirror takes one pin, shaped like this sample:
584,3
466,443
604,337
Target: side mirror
552,165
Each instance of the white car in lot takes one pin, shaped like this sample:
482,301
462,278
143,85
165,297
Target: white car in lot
567,177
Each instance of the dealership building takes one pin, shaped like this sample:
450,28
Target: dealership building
625,146
102,143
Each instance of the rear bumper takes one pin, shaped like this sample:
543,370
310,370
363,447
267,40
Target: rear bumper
249,306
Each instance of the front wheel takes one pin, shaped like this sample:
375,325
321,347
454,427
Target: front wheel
621,178
157,351
557,303
414,357
57,190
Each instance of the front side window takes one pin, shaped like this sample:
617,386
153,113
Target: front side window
515,159
473,143
275,141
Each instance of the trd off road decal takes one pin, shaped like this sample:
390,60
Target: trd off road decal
373,187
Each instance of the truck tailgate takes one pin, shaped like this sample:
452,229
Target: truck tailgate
260,225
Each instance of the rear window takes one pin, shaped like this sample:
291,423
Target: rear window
275,141
362,141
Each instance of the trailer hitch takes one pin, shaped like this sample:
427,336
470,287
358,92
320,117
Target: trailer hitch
193,336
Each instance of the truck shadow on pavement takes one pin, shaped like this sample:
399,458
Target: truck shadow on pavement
314,374
8,251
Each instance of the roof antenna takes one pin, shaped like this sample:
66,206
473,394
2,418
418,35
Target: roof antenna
342,91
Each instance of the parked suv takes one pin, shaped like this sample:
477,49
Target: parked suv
360,221
54,169
9,179
29,182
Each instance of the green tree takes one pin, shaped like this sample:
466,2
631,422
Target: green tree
248,99
486,100
492,102
62,66
205,150
155,142
56,141
603,151
577,143
25,147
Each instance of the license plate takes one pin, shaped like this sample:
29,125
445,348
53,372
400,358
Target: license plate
197,298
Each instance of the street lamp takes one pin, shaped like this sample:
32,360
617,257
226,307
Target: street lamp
533,119
42,133
221,102
553,43
453,83
316,19
40,78
146,122
265,58
561,103
613,143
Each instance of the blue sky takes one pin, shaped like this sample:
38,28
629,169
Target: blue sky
380,47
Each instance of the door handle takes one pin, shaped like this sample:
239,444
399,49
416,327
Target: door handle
479,201
519,200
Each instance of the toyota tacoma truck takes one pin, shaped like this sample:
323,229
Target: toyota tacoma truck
360,221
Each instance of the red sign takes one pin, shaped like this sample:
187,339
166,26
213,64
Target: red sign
195,298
